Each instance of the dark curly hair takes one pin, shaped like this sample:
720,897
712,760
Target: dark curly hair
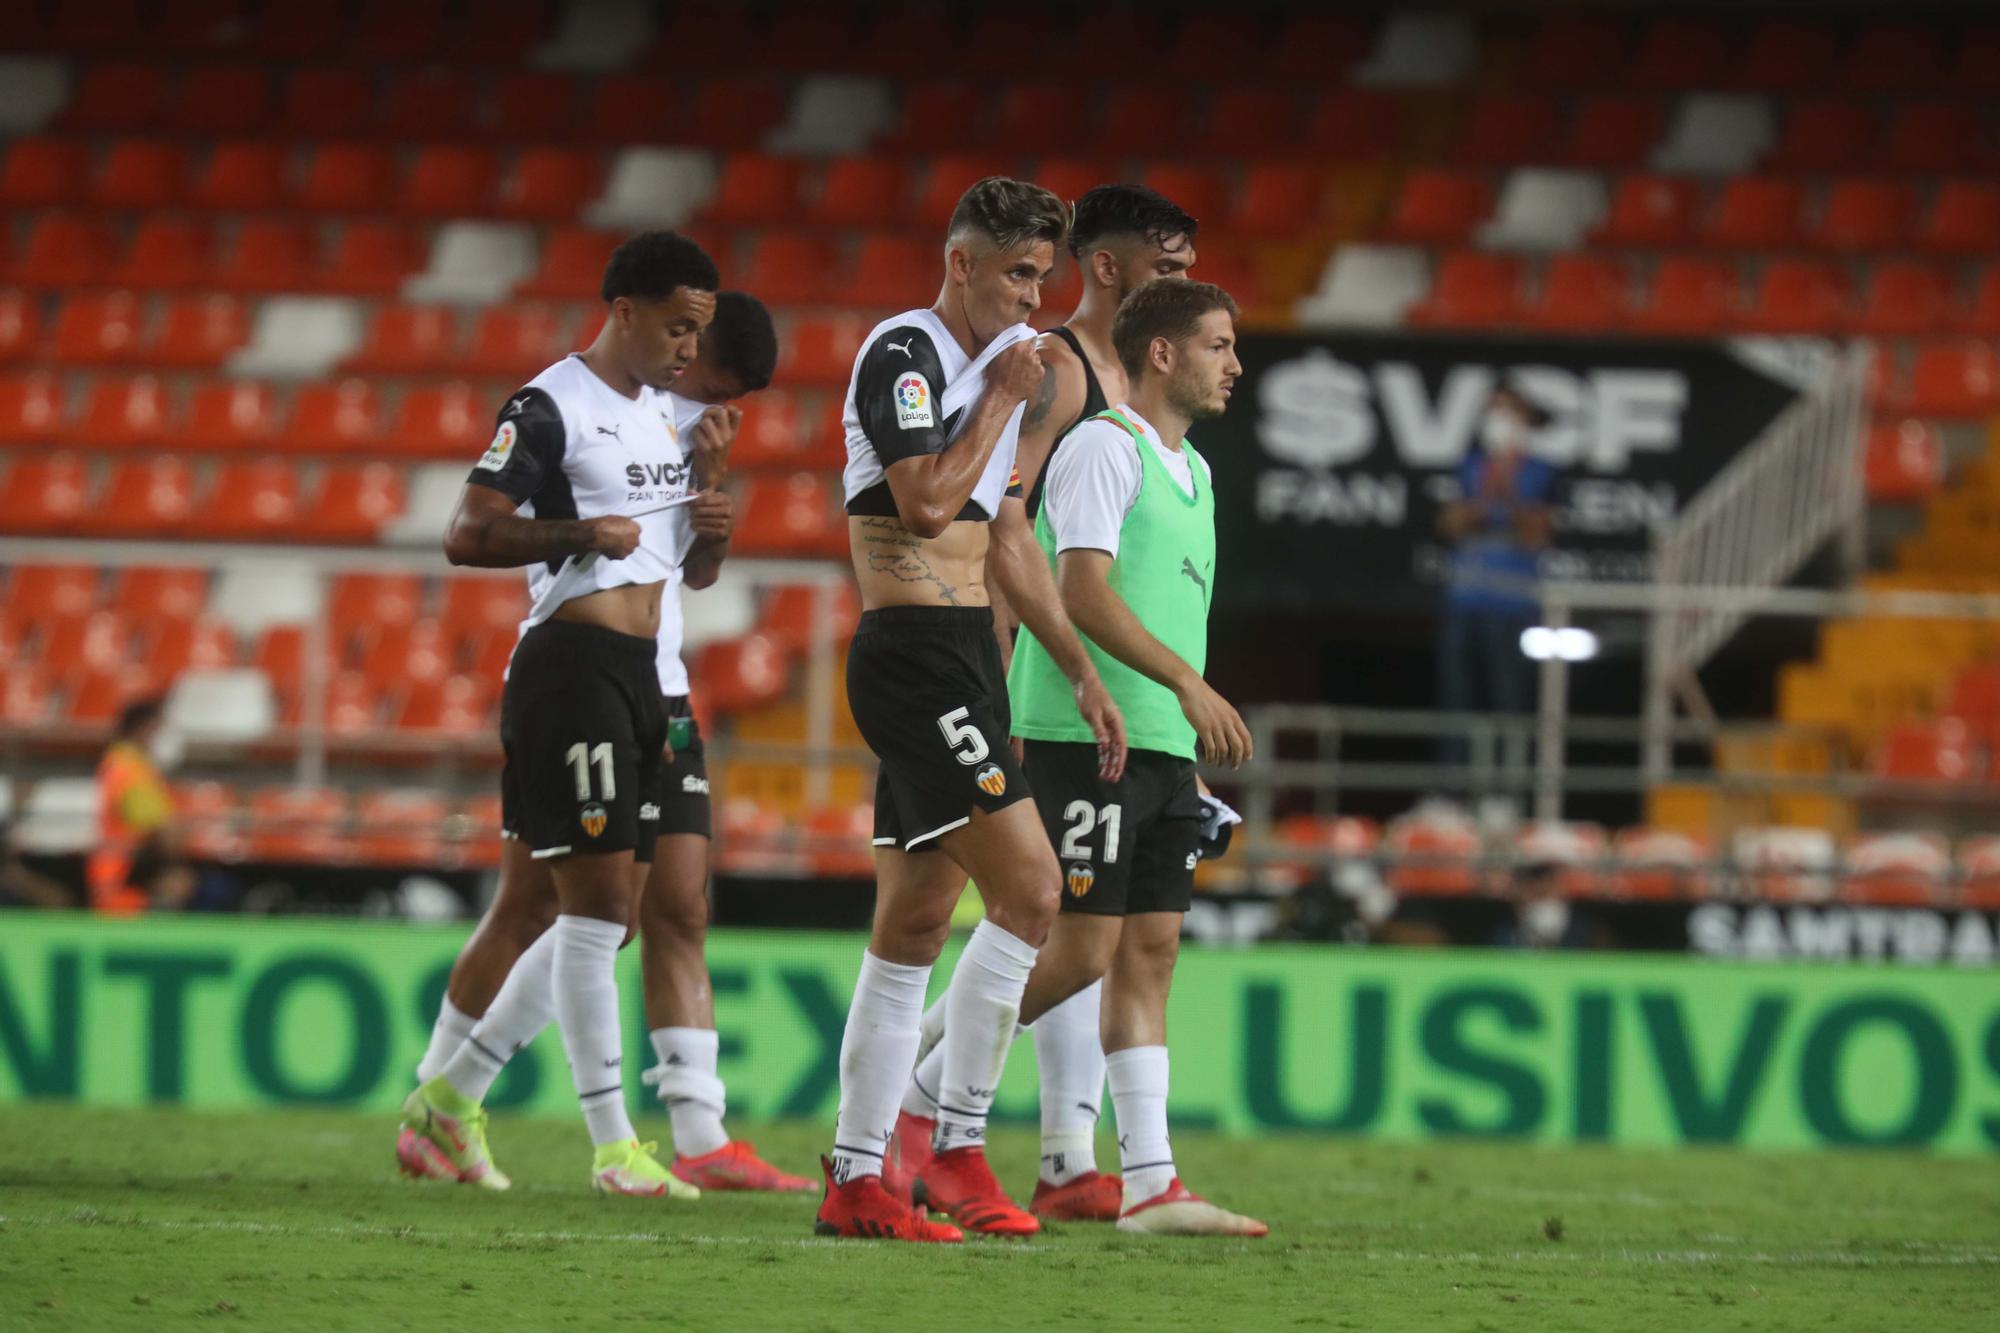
652,264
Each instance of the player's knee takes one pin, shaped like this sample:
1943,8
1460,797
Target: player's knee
680,917
914,938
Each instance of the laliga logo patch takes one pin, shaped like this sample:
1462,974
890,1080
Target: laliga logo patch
992,781
913,401
593,818
1081,877
502,448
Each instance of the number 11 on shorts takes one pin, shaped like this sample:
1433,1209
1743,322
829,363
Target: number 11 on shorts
581,756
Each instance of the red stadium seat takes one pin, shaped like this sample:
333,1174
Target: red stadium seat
1975,698
477,607
106,329
1954,379
1570,51
401,827
27,696
791,611
1044,117
635,108
1790,56
792,268
118,95
1896,869
1070,178
1582,291
1472,288
1659,864
1136,120
1439,207
146,595
1433,854
327,101
1252,121
338,418
361,607
1867,215
862,192
222,99
1825,134
97,696
42,494
1675,54
1616,132
1934,750
1935,138
735,110
1757,213
1356,125
53,591
269,256
456,705
169,252
790,515
354,503
433,103
450,180
189,645
20,326
1964,218
253,501
231,415
1983,318
353,705
549,184
242,175
1503,129
891,272
299,825
347,178
31,408
741,673
152,497
573,260
374,258
532,106
280,654
1904,461
1890,57
947,178
451,421
1200,191
140,174
417,652
66,251
1798,296
45,173
407,340
515,341
125,413
1280,200
780,432
199,332
822,351
936,117
1906,297
756,189
1690,295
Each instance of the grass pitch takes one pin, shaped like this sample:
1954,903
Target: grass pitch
295,1220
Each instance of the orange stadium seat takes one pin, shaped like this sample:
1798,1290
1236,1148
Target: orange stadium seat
150,497
740,673
31,408
1501,129
573,260
96,696
280,654
169,252
532,106
27,695
549,184
452,420
432,103
837,839
891,272
1904,460
1439,207
325,102
936,116
946,178
146,595
121,413
1432,854
414,653
475,607
345,177
140,174
407,340
1935,138
1889,56
790,515
43,494
53,591
822,351
1676,54
1954,379
221,99
789,612
1651,211
1867,215
735,110
455,705
342,417
1279,199
103,329
642,108
118,95
1471,288
242,175
364,603
1571,50
1659,864
1798,296
269,255
354,503
189,645
199,331
1690,295
1964,217
1201,191
515,341
374,258
1757,213
403,828
1825,134
862,192
1789,56
45,173
756,189
65,250
1581,291
352,704
20,326
256,501
1979,872
1906,297
450,180
1356,125
778,432
303,825
792,268
231,414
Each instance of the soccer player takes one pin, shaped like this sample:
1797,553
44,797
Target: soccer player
737,356
589,449
1128,523
932,420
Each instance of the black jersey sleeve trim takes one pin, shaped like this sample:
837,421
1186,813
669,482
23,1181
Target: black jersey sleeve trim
529,440
898,390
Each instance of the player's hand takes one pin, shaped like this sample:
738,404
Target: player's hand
713,516
1101,715
1016,374
1220,736
711,438
612,535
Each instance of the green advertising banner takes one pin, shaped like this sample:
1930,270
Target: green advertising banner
1624,1048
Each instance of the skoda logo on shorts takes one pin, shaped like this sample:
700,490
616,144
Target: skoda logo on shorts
593,819
1081,877
992,781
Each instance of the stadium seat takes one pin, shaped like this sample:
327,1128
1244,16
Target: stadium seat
198,332
454,706
449,180
324,102
20,326
1659,864
1651,211
1978,866
1569,51
514,341
1906,297
936,116
1982,318
792,268
43,494
221,99
345,177
1042,117
547,184
1964,218
756,189
1933,750
1134,119
1612,132
433,103
789,614
1895,57
168,252
1201,191
28,696
1904,460
1798,296
337,418
1581,291
1825,134
53,591
45,173
407,340
1675,54
1757,213
734,110
862,192
104,329
1473,288
822,350
242,175
1279,200
253,501
475,607
355,502
65,251
280,653
230,415
891,272
374,258
1070,178
1439,207
31,408
1251,122
147,595
140,174
1867,215
1786,864
151,497
1936,138
400,828
1954,379
946,178
1504,129
299,825
121,413
117,95
1787,56
269,256
740,673
532,106
1356,125
175,646
388,31
1433,854
789,515
96,695
1690,295
419,651
573,260
634,108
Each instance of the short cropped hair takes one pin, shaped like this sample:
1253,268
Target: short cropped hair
1170,308
1128,210
742,340
653,264
136,716
1010,214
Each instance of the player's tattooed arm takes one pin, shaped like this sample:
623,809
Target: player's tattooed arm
897,552
486,533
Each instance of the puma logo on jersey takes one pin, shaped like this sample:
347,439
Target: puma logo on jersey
1187,568
903,347
612,431
515,406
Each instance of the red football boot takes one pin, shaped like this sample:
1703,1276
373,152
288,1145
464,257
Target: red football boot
863,1210
1095,1197
736,1166
1178,1211
959,1182
909,1153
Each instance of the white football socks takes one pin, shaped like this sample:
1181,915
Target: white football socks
586,1003
982,1005
687,1083
876,1052
1070,1057
525,1005
447,1035
1139,1098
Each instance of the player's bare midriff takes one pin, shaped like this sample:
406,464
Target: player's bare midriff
632,609
898,568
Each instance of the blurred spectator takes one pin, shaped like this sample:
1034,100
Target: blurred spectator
1542,916
21,886
1497,528
137,862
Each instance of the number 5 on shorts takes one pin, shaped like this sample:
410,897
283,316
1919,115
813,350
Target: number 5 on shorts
967,744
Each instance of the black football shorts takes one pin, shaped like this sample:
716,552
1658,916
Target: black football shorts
1125,847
